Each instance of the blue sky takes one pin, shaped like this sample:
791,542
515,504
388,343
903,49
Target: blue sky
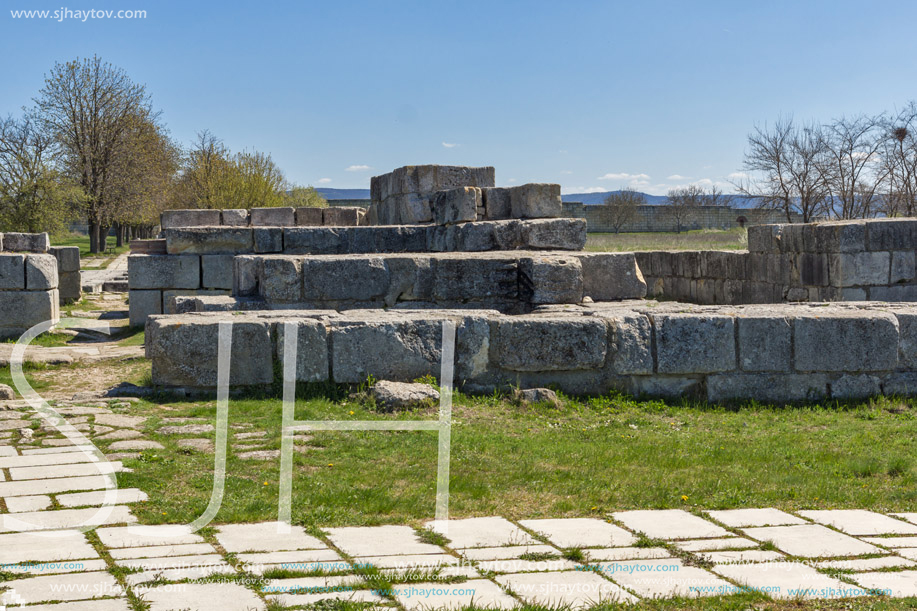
592,95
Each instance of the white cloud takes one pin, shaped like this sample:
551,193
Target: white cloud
450,145
678,177
358,168
737,176
624,176
511,180
324,181
583,189
566,172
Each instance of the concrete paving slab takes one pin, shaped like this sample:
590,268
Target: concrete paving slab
866,564
811,541
65,545
892,542
77,470
664,578
503,553
83,499
580,532
306,600
669,524
54,568
106,604
482,532
39,460
786,580
480,592
380,541
197,573
173,562
747,555
861,522
53,486
709,545
264,537
18,504
162,551
572,589
897,585
203,597
146,536
742,518
39,451
413,561
62,588
295,557
65,518
121,421
907,552
7,451
516,565
626,553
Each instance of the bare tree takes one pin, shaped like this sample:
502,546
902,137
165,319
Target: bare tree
898,157
852,172
716,197
684,202
88,107
621,207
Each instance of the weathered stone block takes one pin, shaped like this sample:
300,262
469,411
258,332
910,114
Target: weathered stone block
891,234
528,343
311,349
497,204
216,271
387,349
164,271
612,276
902,266
394,239
765,342
694,343
344,278
536,200
464,237
144,303
860,386
410,279
813,269
309,217
313,241
234,218
268,239
773,388
184,353
407,209
551,280
837,341
898,292
553,234
666,387
171,219
281,280
70,287
273,217
853,294
342,216
838,236
632,349
209,240
12,271
40,272
26,242
901,384
246,276
172,297
763,239
68,258
461,279
21,310
858,269
456,205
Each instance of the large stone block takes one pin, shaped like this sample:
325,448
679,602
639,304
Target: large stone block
70,287
765,342
268,239
164,271
529,343
907,339
143,304
342,216
171,219
902,267
813,269
612,276
209,241
694,343
185,352
860,386
309,217
891,234
234,218
311,349
40,272
763,239
12,271
171,298
314,241
768,387
497,204
427,179
551,280
632,339
849,342
21,310
666,387
464,237
26,242
838,236
462,279
68,258
246,276
407,209
410,279
273,217
344,278
456,205
536,200
553,234
393,239
216,271
387,349
859,269
898,292
281,280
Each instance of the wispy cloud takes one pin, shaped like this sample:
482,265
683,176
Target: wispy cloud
450,145
624,176
737,176
324,181
678,177
566,172
583,189
358,168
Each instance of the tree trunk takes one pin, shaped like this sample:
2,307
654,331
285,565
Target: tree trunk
103,236
119,235
93,237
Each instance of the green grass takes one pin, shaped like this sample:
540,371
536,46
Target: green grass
704,239
586,459
76,239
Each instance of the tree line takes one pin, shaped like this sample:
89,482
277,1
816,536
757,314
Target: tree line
93,147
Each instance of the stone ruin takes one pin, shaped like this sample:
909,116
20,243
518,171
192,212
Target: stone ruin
367,295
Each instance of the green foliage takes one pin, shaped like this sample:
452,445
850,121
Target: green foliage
304,197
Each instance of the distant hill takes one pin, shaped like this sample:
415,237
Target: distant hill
591,199
343,193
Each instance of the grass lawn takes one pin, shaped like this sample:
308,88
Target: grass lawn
704,239
76,239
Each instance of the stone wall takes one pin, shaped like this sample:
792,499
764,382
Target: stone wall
69,280
339,216
781,353
28,283
659,219
868,260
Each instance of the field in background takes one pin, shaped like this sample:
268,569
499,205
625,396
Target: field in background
99,261
703,239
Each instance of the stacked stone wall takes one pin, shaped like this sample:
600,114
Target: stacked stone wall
28,283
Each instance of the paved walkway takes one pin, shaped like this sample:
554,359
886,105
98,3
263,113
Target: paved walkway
54,487
93,280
